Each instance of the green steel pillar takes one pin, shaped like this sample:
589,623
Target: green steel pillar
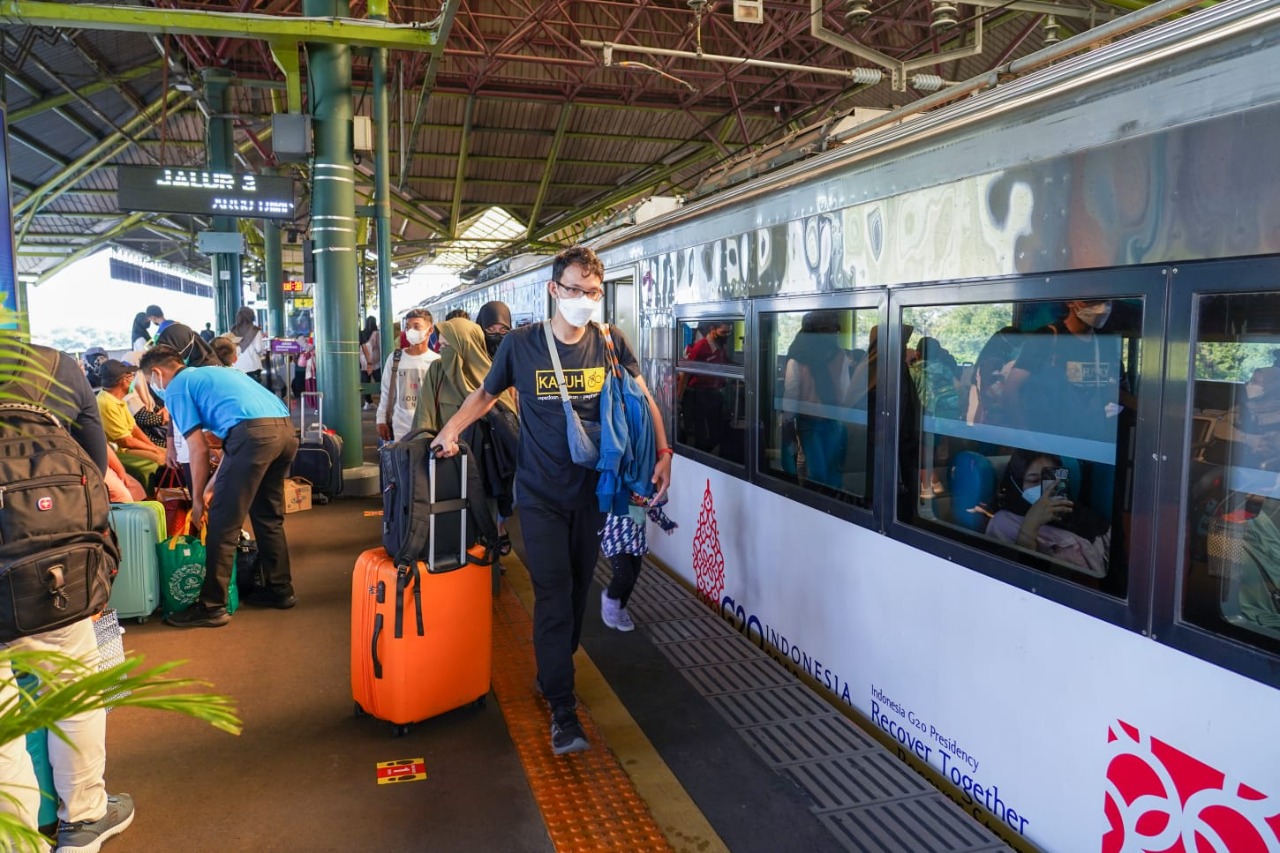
333,232
221,146
274,275
382,180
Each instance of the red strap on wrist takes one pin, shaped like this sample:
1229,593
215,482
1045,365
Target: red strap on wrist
667,450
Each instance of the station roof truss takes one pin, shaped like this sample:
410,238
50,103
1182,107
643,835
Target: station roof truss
563,113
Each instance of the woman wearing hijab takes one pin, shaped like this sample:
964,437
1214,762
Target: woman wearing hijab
1039,516
250,342
463,364
495,319
140,336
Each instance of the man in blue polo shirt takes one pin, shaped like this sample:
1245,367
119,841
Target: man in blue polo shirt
258,446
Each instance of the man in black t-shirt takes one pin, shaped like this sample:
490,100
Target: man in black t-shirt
1068,377
559,517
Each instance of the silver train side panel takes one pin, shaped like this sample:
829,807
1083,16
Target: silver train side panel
1112,159
1159,148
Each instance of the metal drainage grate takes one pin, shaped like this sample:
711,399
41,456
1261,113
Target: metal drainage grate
869,800
808,739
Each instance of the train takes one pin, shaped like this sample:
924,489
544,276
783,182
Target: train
1062,604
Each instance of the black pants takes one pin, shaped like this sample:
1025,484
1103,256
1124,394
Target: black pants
562,545
255,460
626,570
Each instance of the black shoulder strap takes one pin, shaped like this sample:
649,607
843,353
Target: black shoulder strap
395,396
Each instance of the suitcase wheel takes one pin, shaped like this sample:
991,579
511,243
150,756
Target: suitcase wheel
317,498
142,620
400,730
360,712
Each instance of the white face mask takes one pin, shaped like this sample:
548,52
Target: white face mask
1094,315
1031,494
415,336
156,381
578,312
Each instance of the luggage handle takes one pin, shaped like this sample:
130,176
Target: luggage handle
462,513
403,574
377,631
302,414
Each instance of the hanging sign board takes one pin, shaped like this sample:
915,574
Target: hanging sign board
304,302
172,190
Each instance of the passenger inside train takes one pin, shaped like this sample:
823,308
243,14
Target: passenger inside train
1049,389
1233,474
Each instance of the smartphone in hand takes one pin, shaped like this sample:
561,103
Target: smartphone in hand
1054,481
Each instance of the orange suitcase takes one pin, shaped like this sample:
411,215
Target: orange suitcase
421,643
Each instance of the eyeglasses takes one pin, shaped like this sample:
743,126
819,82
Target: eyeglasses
595,294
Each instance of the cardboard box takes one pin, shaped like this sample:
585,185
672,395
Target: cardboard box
297,495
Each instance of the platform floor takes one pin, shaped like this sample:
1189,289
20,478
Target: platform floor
700,742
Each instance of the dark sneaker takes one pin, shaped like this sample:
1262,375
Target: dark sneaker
267,598
85,837
566,733
196,616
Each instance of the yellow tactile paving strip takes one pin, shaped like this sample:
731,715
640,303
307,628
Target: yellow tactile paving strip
587,799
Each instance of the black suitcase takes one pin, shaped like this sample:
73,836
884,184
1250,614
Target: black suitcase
319,458
432,509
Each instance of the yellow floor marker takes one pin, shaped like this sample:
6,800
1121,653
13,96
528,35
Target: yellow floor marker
402,770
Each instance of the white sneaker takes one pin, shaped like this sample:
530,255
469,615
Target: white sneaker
614,614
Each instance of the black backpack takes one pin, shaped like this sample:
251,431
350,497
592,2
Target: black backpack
57,552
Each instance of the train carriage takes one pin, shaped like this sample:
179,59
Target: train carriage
907,352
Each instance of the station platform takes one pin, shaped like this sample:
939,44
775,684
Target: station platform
699,740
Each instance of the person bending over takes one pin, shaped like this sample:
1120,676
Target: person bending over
258,448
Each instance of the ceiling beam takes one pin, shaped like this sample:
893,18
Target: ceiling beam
463,146
209,24
544,185
98,155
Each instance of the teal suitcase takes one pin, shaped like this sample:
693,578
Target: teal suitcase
38,749
139,527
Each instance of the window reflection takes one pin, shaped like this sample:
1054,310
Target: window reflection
816,371
710,391
1232,579
1023,429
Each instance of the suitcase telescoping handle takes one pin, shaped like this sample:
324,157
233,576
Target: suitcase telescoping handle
302,414
462,515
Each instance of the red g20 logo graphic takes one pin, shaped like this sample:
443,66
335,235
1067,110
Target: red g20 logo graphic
1162,800
708,561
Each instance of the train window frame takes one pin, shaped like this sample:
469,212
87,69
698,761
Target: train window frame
1147,283
875,299
736,311
1188,283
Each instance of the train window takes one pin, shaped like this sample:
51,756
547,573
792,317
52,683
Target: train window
816,371
712,341
1017,430
1231,584
711,398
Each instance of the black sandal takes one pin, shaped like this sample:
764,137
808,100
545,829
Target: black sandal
504,544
